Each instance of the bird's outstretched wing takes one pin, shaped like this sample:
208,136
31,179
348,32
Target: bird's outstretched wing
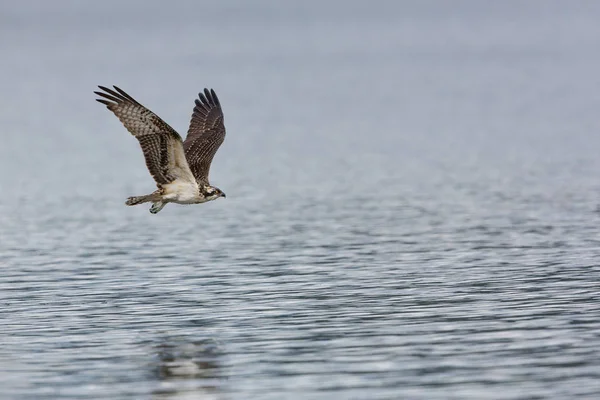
205,135
162,146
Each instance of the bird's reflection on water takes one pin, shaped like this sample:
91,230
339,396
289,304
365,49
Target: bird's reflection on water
187,369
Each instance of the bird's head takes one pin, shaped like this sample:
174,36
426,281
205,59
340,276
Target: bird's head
213,192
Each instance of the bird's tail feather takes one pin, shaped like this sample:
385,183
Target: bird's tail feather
135,200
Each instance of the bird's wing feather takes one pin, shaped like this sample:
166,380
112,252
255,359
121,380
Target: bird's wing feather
161,144
205,135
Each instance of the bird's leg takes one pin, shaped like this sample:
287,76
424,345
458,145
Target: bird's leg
157,206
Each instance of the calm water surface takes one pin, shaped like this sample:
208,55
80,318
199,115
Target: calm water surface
412,202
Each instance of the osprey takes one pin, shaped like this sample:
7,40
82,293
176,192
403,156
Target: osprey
180,168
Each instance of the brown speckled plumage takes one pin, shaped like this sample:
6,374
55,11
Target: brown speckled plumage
156,137
205,135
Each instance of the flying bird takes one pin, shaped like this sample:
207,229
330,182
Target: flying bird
180,168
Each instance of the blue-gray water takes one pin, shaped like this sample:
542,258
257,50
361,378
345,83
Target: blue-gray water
412,193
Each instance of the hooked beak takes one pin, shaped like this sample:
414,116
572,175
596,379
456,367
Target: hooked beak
223,195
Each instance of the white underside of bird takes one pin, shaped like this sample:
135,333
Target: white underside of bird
182,192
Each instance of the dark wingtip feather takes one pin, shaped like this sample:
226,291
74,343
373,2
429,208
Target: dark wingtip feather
203,98
215,98
109,91
125,95
110,97
200,106
209,98
105,102
117,95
